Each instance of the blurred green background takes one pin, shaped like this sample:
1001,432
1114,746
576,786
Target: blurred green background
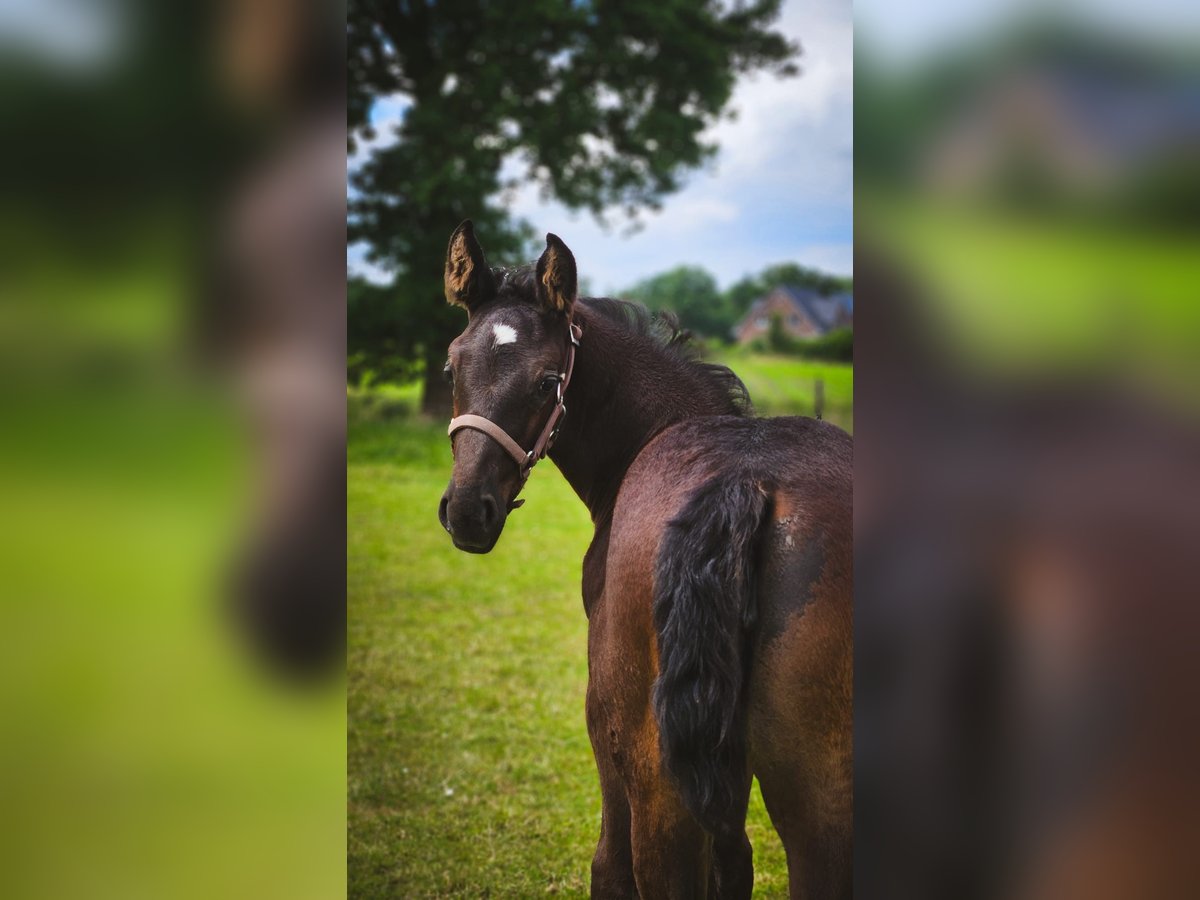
148,751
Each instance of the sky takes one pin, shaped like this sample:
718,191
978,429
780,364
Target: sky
779,190
904,32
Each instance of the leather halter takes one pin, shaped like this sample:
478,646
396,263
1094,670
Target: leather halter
526,460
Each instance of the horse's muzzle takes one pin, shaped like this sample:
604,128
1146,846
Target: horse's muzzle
473,517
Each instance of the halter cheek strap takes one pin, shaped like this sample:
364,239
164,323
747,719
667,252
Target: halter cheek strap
526,460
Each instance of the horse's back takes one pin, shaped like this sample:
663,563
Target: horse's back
803,466
800,456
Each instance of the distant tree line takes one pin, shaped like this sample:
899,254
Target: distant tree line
692,295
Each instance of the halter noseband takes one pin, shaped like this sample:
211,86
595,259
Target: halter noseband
526,460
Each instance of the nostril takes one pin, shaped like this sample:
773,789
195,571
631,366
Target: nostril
490,511
442,517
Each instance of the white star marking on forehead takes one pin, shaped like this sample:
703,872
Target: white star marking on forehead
505,334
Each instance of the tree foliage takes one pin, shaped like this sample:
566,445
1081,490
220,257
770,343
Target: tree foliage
379,346
602,104
692,295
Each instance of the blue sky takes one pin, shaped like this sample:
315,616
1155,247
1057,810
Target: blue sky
780,189
904,32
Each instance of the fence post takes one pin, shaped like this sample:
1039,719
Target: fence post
819,398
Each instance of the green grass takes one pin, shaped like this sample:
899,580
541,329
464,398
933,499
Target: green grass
785,385
142,741
383,402
1015,289
469,768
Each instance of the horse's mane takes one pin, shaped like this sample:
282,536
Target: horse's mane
660,330
663,330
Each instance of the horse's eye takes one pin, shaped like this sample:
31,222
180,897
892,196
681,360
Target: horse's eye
448,374
548,384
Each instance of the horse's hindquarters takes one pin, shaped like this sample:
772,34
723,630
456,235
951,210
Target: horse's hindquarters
800,716
723,627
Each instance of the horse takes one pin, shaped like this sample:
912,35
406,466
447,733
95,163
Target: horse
717,586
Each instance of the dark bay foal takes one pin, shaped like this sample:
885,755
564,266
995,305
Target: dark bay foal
717,586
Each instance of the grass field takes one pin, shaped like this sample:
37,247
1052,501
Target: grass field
144,753
469,767
1020,289
785,385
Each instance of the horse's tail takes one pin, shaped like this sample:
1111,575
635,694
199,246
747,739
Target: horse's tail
705,611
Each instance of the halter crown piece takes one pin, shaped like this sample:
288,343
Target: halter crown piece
526,459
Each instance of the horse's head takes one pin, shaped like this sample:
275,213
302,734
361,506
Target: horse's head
507,370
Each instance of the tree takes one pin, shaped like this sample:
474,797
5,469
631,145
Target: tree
691,293
602,104
379,346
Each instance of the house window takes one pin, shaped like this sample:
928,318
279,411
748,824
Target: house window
761,322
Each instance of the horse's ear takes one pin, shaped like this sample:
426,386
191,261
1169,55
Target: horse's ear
557,283
469,280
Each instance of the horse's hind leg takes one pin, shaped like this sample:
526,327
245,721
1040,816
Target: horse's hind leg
809,799
670,851
802,709
819,854
674,857
612,864
671,854
650,845
732,876
802,740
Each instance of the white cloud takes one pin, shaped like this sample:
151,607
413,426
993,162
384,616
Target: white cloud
781,188
774,114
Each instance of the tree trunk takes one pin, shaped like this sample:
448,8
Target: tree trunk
436,399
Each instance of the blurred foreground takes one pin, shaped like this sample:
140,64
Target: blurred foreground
172,337
1027,498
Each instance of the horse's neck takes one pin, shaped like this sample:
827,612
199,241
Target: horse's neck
617,401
